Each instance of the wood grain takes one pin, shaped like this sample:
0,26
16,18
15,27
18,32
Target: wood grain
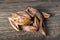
52,24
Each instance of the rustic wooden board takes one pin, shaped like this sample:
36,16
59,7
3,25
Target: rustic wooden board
52,24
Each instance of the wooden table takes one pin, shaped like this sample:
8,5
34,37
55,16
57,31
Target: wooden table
52,24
